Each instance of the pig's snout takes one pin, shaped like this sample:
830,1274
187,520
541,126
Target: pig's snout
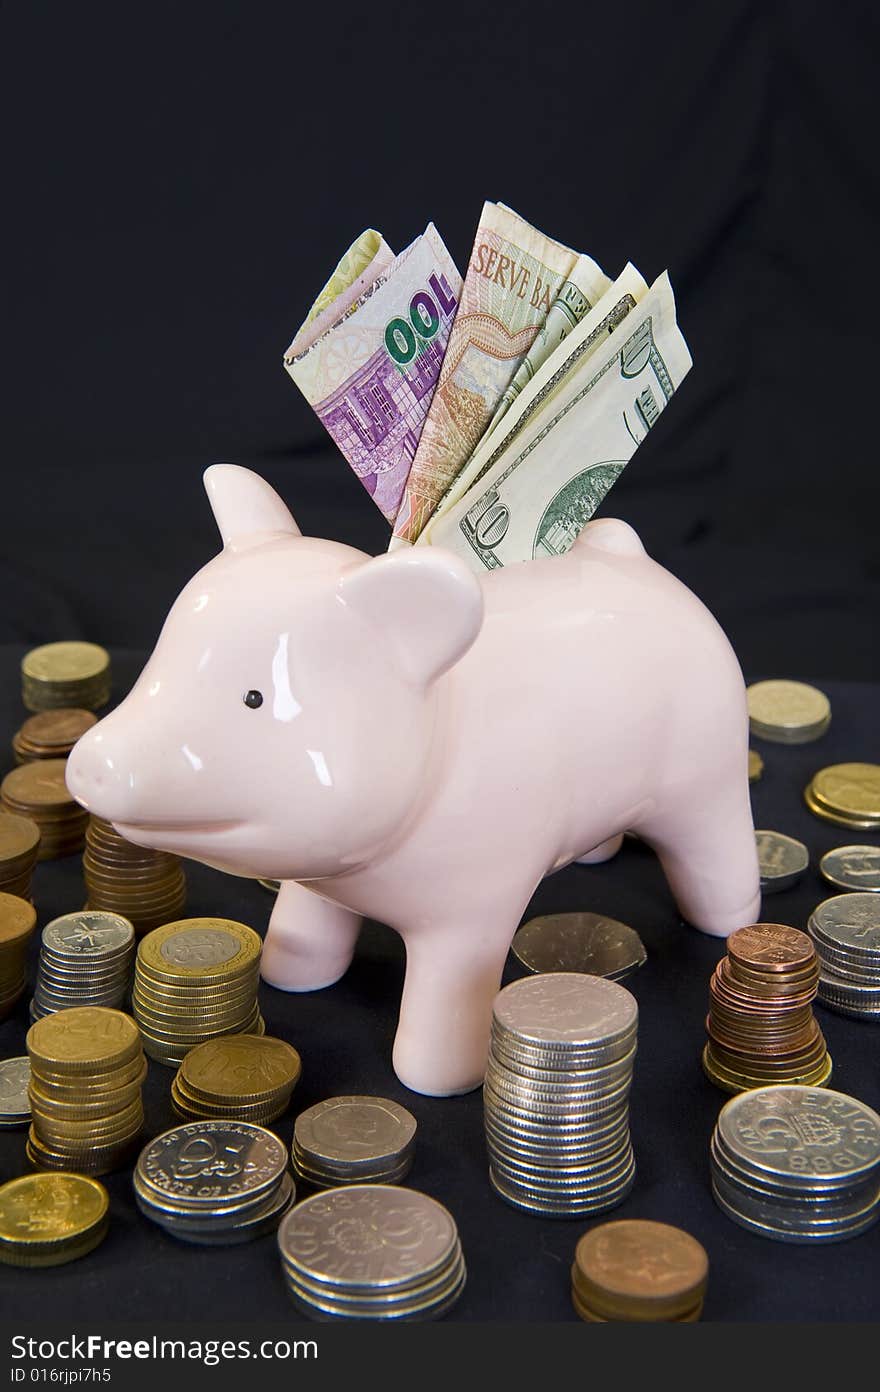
100,776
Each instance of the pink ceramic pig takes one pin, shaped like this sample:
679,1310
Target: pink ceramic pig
394,737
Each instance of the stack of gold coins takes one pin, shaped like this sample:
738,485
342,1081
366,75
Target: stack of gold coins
639,1272
49,1219
19,847
847,795
85,959
788,712
148,887
240,1075
194,980
761,1025
87,1069
17,922
38,791
65,675
51,734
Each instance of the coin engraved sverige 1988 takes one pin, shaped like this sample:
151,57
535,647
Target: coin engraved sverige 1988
802,1132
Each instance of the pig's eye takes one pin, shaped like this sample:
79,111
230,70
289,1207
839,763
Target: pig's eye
253,699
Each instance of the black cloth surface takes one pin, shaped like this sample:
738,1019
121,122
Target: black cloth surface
518,1263
180,180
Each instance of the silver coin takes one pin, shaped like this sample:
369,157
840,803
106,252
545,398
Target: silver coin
772,1224
782,860
799,1133
562,1206
428,1301
848,995
90,933
853,867
579,942
209,1163
15,1075
367,1236
565,1010
228,1228
351,1131
850,923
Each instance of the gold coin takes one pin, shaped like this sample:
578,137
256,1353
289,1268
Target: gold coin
640,1270
756,766
788,711
39,786
19,840
828,814
241,1066
850,789
18,919
67,663
50,1218
83,1038
207,949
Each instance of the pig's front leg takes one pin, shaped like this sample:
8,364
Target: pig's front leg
442,1039
310,941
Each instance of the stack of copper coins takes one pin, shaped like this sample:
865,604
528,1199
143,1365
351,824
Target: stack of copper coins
145,886
239,1075
65,675
17,922
761,1025
51,734
19,847
38,791
639,1272
195,980
87,1070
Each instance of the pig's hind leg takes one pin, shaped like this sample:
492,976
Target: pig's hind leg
310,941
706,845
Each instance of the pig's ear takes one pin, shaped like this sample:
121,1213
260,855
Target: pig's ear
245,507
425,604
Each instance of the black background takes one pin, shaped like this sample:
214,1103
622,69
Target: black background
179,179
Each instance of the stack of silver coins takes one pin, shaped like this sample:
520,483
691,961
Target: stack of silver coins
556,1094
15,1105
798,1164
354,1140
846,931
373,1252
214,1182
85,959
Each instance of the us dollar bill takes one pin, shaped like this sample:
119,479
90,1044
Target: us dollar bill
370,367
593,331
549,480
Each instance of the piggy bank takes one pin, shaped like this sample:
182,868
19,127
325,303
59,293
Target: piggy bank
397,738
